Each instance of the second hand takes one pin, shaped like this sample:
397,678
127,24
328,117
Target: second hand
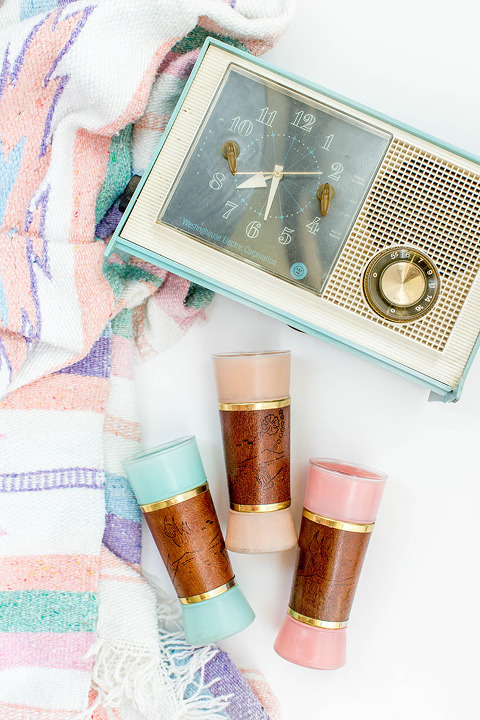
284,172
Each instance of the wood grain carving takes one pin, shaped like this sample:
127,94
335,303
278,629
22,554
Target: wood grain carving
190,541
328,567
257,455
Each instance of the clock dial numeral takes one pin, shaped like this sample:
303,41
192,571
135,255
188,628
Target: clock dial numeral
216,183
241,126
328,142
266,183
337,171
304,121
230,207
266,116
286,237
253,229
314,226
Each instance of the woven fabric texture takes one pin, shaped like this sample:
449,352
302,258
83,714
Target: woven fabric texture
86,89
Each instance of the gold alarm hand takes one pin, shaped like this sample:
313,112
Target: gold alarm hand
230,151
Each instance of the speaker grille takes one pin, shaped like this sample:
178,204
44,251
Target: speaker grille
427,202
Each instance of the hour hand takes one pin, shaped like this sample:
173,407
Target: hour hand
258,180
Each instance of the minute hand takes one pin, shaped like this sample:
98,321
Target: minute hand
277,176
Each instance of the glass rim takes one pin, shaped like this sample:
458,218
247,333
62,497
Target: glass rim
158,449
250,353
347,469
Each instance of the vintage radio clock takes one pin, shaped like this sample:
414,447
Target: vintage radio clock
341,222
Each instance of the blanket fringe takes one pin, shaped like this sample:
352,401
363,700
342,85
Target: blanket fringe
165,683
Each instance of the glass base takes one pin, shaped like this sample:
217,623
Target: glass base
260,532
208,621
311,646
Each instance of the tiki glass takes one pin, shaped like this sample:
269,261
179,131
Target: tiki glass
341,503
170,485
254,403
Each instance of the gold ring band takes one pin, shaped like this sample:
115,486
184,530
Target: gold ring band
175,499
325,624
272,507
207,595
338,524
267,405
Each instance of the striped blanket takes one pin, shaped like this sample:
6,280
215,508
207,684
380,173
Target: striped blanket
86,88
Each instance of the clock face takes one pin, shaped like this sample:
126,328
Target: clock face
275,179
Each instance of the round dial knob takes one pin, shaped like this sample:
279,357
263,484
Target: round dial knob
401,284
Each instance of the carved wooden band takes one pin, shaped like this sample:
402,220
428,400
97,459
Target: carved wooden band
329,562
256,442
189,538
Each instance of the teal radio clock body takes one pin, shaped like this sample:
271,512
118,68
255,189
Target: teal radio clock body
327,215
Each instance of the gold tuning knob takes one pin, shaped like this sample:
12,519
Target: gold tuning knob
403,284
325,194
230,151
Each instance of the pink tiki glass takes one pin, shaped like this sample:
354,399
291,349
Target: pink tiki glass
341,503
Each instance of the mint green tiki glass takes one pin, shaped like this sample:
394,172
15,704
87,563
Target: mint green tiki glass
171,488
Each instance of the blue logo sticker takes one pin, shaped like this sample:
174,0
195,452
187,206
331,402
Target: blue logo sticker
298,271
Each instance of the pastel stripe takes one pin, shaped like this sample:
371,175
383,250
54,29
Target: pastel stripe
152,121
53,650
122,324
122,358
44,611
221,683
124,538
57,392
91,150
13,711
100,713
52,479
47,689
74,573
119,498
121,427
95,364
180,65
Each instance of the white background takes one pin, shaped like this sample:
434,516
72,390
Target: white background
413,636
